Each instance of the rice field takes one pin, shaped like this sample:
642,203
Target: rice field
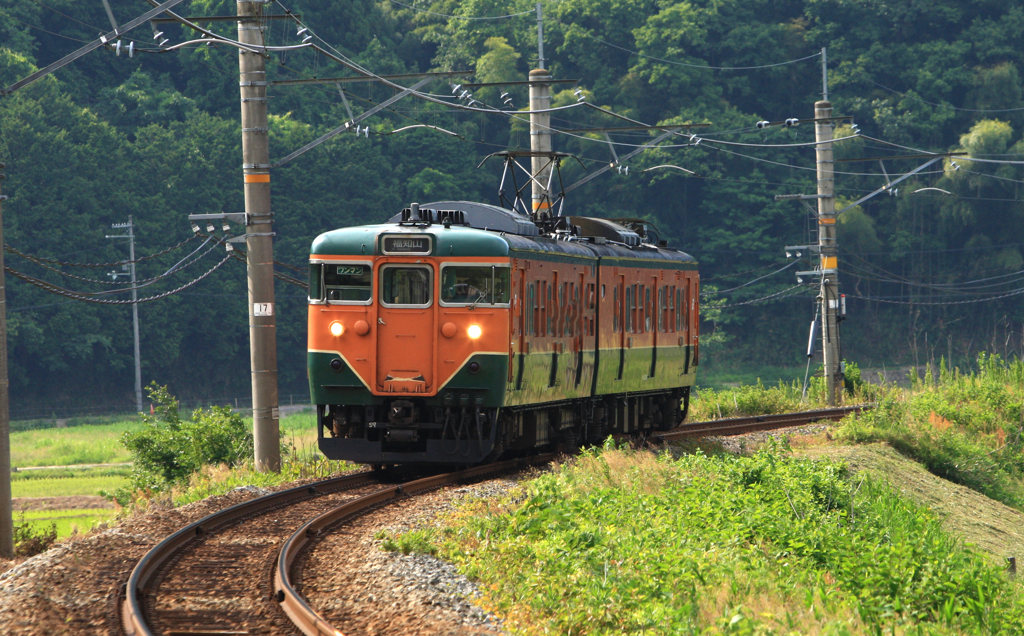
68,522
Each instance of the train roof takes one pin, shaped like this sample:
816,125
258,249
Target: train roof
465,228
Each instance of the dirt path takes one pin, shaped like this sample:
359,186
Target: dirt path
71,502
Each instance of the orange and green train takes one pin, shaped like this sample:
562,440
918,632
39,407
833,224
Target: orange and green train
459,332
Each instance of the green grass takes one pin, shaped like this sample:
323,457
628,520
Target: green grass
68,522
622,542
99,444
967,427
67,486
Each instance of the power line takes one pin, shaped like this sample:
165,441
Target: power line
60,291
966,110
17,252
776,296
751,282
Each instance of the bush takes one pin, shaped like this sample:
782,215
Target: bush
168,450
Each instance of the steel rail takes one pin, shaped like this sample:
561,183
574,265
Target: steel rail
740,425
301,614
133,618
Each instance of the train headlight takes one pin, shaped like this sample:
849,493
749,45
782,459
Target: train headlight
474,332
337,328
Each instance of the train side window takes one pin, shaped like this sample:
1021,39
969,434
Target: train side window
628,326
633,309
348,283
615,316
531,307
602,291
672,308
661,309
641,314
553,311
647,309
475,285
680,309
686,307
563,311
316,281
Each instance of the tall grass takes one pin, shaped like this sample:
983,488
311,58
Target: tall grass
967,427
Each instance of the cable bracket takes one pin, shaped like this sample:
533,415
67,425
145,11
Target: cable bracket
257,129
255,166
253,83
254,99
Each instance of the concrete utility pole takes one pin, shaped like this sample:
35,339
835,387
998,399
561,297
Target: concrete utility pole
540,140
540,38
130,227
6,503
829,294
259,237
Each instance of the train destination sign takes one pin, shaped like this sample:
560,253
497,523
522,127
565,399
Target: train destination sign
407,244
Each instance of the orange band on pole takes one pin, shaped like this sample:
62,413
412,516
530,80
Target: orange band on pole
257,178
541,204
827,221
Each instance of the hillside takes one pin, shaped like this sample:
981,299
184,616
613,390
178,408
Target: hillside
155,136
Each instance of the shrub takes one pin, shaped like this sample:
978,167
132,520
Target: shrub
169,449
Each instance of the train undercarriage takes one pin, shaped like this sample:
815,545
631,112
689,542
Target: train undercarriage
408,430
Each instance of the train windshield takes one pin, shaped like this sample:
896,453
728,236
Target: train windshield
475,285
347,282
406,285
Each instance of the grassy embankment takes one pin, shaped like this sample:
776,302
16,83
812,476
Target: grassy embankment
768,543
73,448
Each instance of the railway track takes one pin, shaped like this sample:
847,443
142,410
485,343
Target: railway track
226,573
740,425
231,573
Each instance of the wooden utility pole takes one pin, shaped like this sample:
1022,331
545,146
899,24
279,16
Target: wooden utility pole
829,294
6,503
540,141
259,237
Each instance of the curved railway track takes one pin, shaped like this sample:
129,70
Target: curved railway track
250,550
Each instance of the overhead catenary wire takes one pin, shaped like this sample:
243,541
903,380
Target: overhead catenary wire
182,264
12,250
750,282
776,296
104,301
966,110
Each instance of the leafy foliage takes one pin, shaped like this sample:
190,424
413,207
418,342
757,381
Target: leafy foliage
169,449
626,542
156,137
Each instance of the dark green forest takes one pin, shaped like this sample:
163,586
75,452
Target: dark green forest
932,270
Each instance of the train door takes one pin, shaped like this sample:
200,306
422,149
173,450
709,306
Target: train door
694,314
684,310
515,351
581,303
405,328
653,313
622,311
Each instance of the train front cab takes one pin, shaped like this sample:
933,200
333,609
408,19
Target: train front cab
408,344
